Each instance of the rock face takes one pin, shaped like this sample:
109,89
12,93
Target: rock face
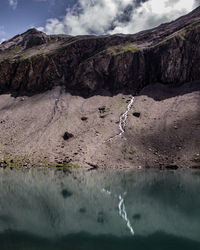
34,62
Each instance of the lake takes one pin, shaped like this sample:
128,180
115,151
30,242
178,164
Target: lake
100,209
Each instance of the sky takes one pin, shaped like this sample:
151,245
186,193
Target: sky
80,17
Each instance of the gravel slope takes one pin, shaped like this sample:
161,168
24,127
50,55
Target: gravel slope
167,133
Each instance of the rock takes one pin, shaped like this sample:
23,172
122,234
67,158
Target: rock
136,114
195,167
172,167
93,166
136,216
102,116
102,109
65,193
67,160
84,118
67,136
196,160
100,218
82,210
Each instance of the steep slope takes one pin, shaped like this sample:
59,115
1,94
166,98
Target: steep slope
34,62
56,128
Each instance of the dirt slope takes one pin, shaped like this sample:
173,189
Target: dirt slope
167,133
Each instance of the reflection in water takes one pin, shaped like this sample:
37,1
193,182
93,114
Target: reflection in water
86,210
123,214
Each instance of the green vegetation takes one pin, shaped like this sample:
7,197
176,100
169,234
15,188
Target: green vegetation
128,152
12,162
110,148
34,56
64,166
129,48
9,54
27,161
132,150
179,34
117,50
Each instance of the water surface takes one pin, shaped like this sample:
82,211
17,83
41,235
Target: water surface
146,209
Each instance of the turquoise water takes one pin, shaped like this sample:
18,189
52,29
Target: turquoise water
99,210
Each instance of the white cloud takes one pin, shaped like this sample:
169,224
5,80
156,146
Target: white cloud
2,40
153,13
117,16
2,34
13,3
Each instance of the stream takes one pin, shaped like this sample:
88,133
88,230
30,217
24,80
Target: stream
122,120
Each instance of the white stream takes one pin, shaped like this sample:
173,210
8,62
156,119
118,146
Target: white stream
122,210
122,120
123,214
121,205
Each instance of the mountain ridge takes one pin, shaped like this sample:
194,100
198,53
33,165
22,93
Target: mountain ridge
86,64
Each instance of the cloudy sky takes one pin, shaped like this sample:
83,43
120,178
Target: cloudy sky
88,16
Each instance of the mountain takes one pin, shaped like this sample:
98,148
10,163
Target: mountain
63,98
169,54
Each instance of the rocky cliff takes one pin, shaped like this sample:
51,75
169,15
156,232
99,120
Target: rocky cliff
34,62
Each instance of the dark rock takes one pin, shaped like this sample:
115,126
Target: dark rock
102,116
160,166
67,136
58,169
67,160
147,166
59,162
82,210
100,217
196,160
136,217
195,167
136,114
102,109
65,193
172,167
84,118
67,171
93,166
